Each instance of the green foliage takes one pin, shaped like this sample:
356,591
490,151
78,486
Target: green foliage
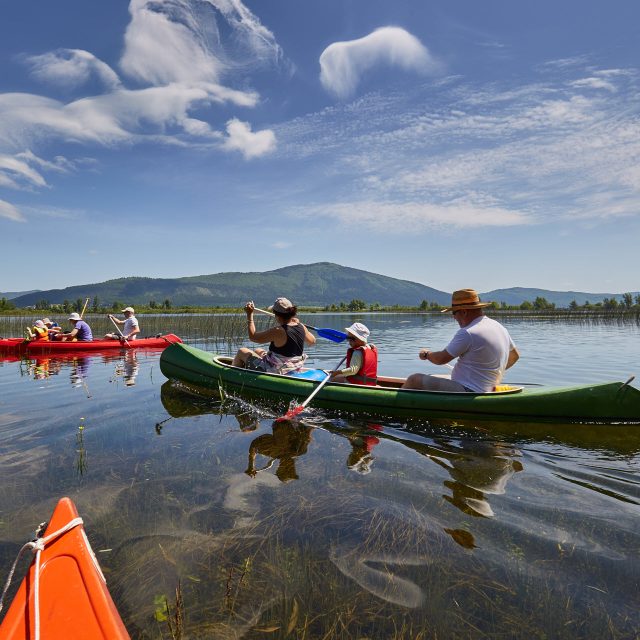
6,305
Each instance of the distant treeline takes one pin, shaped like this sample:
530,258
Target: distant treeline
628,302
540,304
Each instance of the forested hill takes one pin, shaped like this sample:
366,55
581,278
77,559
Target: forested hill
318,284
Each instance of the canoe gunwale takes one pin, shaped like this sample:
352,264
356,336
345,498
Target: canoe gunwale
224,362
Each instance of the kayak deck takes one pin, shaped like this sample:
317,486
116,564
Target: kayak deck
74,602
18,345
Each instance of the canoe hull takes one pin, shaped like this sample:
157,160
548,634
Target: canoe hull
74,601
18,345
604,402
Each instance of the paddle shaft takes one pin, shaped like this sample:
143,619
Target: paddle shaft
115,324
317,389
269,313
330,334
86,302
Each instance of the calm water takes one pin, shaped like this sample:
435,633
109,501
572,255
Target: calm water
340,527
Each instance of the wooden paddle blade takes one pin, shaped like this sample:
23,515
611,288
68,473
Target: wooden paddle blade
291,414
332,334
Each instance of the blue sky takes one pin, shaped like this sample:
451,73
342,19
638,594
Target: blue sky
454,143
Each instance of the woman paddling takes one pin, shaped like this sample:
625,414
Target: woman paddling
287,340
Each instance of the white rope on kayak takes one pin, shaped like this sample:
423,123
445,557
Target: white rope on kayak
37,546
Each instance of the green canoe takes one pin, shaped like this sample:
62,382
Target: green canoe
604,402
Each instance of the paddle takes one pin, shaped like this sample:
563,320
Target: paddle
330,334
292,413
86,302
120,332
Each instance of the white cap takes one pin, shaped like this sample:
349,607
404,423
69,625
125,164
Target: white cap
39,324
75,316
128,309
358,330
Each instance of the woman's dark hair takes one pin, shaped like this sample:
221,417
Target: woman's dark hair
287,316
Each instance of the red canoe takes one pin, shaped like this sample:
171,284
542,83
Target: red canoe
74,602
18,345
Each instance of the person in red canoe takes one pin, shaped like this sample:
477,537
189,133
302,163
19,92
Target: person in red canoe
81,331
362,358
287,340
131,328
39,331
53,327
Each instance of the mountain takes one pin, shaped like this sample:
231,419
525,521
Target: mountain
10,295
518,295
318,284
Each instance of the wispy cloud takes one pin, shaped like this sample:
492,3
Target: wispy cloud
174,48
71,68
550,151
9,211
342,64
179,41
403,218
594,83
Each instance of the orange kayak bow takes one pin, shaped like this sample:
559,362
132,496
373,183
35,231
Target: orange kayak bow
73,600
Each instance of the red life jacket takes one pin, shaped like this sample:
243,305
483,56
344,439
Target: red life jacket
368,374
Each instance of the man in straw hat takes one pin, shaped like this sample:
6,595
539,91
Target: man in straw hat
482,346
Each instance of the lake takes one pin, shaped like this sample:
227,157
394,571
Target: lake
340,526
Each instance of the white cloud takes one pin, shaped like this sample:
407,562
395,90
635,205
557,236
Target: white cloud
169,41
594,83
16,172
413,217
342,64
548,151
7,210
71,68
117,117
250,144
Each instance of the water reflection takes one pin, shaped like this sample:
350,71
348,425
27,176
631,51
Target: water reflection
477,468
287,442
128,367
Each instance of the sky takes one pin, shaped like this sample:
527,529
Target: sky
454,143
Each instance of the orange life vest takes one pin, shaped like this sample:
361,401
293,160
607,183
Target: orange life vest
42,333
368,374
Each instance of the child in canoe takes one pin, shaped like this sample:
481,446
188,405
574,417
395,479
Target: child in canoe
39,331
362,358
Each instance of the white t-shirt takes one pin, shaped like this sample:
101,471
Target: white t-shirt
482,349
129,325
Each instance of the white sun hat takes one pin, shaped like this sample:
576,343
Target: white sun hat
358,330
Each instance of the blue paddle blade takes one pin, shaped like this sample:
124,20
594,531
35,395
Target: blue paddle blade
331,334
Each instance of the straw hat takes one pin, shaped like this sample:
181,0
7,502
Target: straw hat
128,309
465,299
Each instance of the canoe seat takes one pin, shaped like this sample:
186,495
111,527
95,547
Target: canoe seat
309,374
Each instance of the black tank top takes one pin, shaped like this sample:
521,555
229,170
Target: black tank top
294,346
